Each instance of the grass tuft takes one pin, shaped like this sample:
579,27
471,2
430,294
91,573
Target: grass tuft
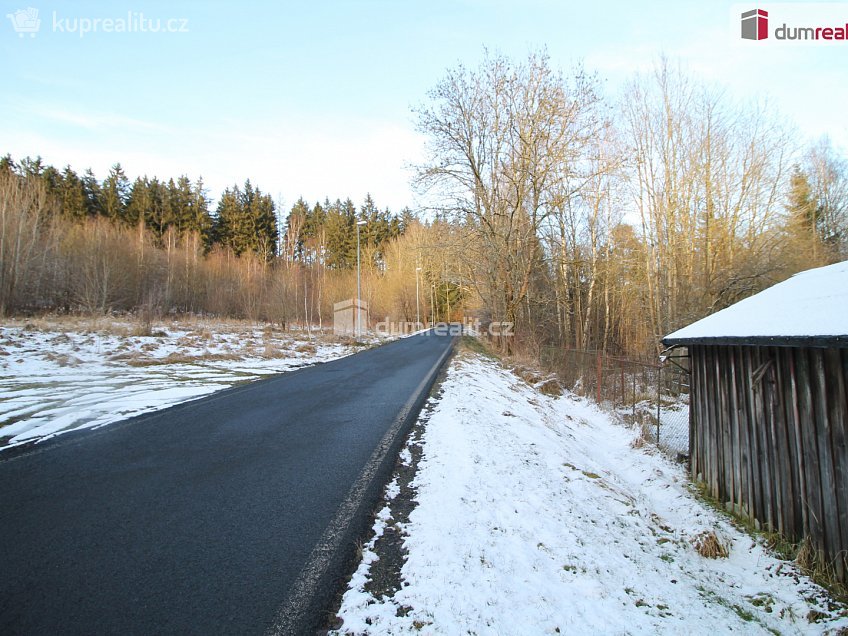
802,553
550,387
477,345
639,441
709,546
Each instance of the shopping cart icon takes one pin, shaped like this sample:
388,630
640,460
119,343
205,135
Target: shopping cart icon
25,21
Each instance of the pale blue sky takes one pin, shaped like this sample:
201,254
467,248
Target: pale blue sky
314,98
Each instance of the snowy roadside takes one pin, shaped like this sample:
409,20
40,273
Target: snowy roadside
61,375
535,515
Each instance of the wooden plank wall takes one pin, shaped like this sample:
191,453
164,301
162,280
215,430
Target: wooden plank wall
769,430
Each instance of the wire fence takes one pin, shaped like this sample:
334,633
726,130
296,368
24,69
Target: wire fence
650,394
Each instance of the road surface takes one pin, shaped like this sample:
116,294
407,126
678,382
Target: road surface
232,514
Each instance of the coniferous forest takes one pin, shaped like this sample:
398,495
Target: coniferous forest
76,243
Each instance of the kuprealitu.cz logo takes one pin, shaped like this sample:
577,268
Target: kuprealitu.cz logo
27,22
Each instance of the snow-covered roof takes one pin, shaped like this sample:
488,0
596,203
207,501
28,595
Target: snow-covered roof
810,307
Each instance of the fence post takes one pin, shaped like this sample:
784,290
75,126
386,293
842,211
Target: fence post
600,377
634,396
623,397
659,400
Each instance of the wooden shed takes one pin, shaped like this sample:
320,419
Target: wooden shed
768,409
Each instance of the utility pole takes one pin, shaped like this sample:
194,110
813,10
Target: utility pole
417,303
433,303
358,285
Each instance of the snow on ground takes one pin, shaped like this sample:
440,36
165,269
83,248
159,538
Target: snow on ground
63,374
536,515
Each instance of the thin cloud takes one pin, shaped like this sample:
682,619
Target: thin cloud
94,120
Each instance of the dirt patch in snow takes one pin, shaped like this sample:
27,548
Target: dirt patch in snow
389,548
384,545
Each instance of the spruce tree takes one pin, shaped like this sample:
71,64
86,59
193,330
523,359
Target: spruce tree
407,218
32,167
341,235
158,214
297,229
179,203
227,218
199,219
115,193
138,203
52,180
7,165
802,206
261,221
72,195
93,194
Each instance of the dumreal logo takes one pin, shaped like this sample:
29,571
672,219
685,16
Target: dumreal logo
755,25
25,21
811,33
788,23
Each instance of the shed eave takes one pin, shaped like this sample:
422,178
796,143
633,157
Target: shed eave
826,342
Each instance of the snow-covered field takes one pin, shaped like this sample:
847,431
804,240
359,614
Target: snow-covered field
536,515
63,374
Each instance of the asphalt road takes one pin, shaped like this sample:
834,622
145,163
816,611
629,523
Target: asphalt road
232,514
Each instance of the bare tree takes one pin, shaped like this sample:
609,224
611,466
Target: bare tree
828,176
578,242
501,140
707,184
24,207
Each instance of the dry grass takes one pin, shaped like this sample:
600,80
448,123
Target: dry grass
647,427
123,324
62,359
529,375
639,441
708,545
550,387
807,557
477,345
130,357
145,331
141,330
810,561
815,563
544,383
137,360
253,339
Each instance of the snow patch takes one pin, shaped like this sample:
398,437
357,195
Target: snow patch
54,379
536,516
